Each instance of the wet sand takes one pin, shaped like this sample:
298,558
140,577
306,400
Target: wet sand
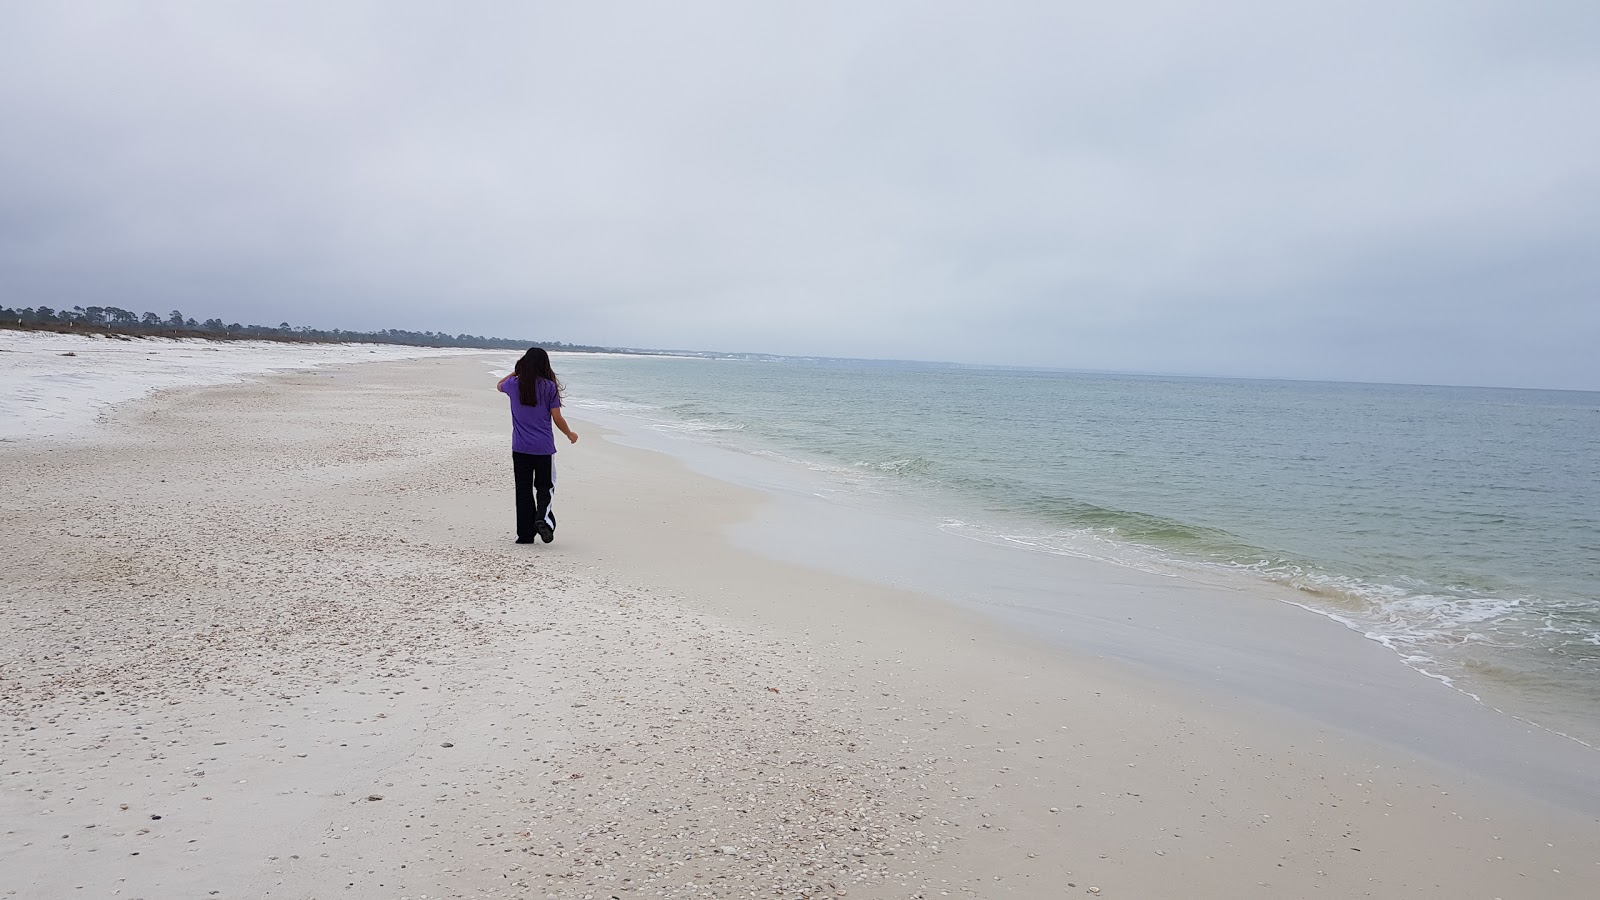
274,640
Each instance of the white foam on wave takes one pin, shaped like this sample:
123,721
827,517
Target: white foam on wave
843,472
1421,628
694,426
1402,646
44,392
1398,616
910,465
1411,623
1424,665
1424,629
622,406
1408,624
1076,544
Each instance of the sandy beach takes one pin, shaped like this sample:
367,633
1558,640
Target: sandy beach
273,639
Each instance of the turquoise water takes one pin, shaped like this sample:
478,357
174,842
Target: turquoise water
1459,526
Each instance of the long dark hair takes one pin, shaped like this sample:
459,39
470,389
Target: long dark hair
534,365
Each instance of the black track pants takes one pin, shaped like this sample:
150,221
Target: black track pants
536,481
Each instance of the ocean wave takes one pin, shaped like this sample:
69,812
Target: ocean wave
1396,612
621,406
1079,545
1427,628
845,473
914,465
1151,531
694,427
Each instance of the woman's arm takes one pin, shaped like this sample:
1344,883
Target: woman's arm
501,383
561,423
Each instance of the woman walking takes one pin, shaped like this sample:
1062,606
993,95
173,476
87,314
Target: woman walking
535,394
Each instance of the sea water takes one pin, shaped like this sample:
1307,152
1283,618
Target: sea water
1459,527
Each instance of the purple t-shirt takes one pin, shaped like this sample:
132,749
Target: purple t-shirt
530,425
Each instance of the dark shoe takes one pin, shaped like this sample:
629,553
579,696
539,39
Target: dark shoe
523,540
547,530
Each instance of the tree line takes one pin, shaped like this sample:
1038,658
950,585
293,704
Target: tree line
113,320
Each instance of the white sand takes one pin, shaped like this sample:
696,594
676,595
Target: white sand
252,610
54,385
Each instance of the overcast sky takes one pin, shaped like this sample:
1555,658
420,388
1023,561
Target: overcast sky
1376,191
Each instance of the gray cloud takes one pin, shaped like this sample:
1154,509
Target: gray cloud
1336,190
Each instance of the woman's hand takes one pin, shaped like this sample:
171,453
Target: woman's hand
561,423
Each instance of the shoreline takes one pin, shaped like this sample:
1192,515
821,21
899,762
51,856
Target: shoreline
642,706
1524,648
1251,639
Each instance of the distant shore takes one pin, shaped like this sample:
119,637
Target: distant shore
291,335
170,333
271,637
390,337
56,385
